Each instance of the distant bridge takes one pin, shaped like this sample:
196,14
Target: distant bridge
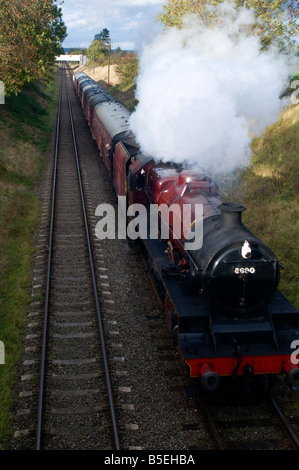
82,59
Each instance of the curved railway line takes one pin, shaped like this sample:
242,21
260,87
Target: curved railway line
77,394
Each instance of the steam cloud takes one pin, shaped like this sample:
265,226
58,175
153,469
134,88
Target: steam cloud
203,92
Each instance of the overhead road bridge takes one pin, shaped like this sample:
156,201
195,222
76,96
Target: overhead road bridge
82,59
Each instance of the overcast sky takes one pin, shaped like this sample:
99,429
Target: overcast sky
129,21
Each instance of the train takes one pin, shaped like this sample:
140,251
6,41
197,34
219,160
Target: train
221,300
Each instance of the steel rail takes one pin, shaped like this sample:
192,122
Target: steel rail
204,409
99,316
48,280
284,423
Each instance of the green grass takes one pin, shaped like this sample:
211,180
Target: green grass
26,121
268,188
125,96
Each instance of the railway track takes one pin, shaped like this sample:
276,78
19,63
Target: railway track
247,423
75,401
72,352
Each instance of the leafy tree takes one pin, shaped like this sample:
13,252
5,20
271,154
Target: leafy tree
174,10
117,54
105,41
31,34
78,51
95,52
100,46
104,36
128,70
276,21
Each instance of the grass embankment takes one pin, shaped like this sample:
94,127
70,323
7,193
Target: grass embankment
268,188
125,96
26,121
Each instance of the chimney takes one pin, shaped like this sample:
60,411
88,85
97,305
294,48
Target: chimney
230,216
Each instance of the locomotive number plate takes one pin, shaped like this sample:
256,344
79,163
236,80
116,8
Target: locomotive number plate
246,270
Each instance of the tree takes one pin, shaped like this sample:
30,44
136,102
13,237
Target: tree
95,52
31,34
117,54
99,49
276,21
128,70
174,10
105,41
77,51
104,36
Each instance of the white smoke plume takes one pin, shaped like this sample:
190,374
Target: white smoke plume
204,91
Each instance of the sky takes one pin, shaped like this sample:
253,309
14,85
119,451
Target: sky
130,22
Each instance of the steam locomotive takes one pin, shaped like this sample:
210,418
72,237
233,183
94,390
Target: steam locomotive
222,303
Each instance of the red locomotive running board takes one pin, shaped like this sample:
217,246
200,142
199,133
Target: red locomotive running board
225,366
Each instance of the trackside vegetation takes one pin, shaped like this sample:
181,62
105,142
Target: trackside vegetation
268,188
26,122
274,22
31,34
